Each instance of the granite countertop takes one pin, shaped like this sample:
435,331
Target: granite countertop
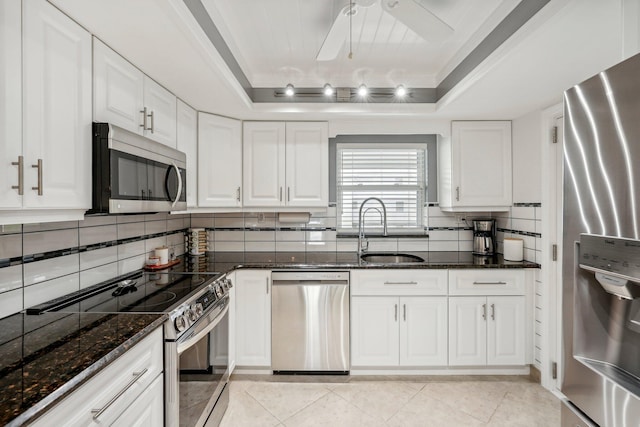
226,261
45,357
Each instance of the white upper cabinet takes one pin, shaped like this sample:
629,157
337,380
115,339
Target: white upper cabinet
118,89
264,169
307,164
57,109
475,167
161,113
286,164
125,97
219,161
187,141
10,103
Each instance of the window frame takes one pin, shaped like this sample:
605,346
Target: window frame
423,188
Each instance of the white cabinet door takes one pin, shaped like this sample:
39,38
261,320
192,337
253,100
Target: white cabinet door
10,102
423,331
467,331
307,164
253,318
118,90
161,113
219,161
481,157
57,109
505,331
148,409
187,141
374,331
263,162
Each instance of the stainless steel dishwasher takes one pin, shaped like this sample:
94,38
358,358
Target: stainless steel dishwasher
310,322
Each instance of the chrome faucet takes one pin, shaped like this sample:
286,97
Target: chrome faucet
361,215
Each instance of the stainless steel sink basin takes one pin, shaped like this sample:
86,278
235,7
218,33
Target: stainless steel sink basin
388,258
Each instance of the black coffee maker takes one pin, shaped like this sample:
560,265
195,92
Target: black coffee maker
484,237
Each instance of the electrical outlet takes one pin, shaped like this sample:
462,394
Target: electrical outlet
261,217
460,217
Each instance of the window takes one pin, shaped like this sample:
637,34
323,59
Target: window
394,173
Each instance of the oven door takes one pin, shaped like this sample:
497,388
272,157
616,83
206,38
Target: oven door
197,371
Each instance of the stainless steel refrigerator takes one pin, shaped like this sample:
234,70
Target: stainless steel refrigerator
601,250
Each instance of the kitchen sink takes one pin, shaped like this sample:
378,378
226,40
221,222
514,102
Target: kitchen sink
390,258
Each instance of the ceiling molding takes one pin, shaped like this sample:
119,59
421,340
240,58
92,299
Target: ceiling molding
522,13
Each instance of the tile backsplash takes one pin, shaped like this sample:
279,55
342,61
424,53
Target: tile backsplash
39,262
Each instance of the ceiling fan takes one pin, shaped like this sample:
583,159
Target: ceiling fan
410,12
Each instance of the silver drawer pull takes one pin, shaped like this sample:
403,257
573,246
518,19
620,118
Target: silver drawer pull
401,283
136,376
144,119
489,283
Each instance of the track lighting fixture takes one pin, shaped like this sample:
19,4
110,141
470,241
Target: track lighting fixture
289,90
328,90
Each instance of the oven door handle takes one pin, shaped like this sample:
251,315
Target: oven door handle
201,329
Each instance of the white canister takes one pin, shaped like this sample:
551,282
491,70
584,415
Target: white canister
513,249
163,253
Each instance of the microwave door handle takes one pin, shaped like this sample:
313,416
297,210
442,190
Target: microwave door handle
179,185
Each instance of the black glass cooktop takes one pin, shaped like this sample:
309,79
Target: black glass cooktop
141,292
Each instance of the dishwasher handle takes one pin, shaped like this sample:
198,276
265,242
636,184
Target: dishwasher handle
309,282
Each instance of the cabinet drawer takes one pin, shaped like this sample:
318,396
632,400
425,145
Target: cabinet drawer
113,389
399,282
486,282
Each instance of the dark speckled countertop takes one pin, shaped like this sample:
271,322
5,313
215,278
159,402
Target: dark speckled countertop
45,357
226,261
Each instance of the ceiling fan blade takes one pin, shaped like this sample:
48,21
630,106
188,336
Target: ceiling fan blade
337,36
418,19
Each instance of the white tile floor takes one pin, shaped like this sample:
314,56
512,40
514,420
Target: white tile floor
354,402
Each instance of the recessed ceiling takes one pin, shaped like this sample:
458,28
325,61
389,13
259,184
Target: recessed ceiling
276,42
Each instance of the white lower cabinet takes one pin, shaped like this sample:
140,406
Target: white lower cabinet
487,331
398,331
127,389
253,318
147,409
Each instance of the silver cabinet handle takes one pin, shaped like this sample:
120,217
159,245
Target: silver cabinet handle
484,311
401,283
39,187
267,286
489,283
395,316
136,376
144,118
493,312
457,194
152,128
20,186
288,194
142,191
238,194
280,193
404,312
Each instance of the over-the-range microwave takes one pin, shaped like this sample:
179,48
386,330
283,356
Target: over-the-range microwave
133,174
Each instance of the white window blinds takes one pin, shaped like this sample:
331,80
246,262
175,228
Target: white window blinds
394,173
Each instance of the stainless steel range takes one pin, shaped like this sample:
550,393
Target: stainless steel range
196,334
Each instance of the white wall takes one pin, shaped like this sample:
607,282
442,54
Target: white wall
527,158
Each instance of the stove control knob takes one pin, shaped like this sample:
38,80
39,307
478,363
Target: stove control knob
197,308
219,290
191,315
229,283
180,323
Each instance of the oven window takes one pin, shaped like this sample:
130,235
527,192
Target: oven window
203,374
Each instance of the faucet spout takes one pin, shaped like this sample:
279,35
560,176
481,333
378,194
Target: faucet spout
361,215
